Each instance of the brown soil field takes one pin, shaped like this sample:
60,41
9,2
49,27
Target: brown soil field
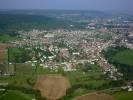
52,87
2,46
2,52
96,96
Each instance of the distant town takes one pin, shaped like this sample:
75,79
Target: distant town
68,51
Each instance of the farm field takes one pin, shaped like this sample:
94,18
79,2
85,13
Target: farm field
119,95
85,82
3,53
123,95
95,96
15,95
81,83
87,78
3,58
52,86
6,38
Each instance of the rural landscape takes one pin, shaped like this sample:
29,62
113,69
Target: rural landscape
66,55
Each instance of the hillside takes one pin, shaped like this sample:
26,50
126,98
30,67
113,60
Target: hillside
14,22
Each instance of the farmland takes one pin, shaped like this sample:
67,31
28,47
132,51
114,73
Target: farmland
95,96
7,37
52,86
117,95
3,53
81,83
123,95
3,58
15,95
87,78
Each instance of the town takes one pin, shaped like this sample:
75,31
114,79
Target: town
87,56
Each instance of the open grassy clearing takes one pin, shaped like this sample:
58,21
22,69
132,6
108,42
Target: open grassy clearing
87,82
109,94
19,79
88,77
24,75
123,95
6,38
24,68
95,96
15,95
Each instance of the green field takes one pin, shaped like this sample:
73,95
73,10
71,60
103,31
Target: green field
124,57
123,95
82,82
91,76
86,79
15,95
6,38
19,55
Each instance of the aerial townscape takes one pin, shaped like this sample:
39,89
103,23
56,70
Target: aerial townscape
66,55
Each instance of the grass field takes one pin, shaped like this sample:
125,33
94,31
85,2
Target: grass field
24,68
93,78
6,38
85,82
95,96
15,95
115,95
124,57
24,75
123,95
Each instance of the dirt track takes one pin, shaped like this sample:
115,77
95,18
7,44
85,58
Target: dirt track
95,96
52,86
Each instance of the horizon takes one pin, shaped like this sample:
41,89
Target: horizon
102,5
74,10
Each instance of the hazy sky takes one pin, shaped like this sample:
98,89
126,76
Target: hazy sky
119,5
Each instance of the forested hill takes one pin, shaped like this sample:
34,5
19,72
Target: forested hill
14,22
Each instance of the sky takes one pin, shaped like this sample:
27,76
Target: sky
104,5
